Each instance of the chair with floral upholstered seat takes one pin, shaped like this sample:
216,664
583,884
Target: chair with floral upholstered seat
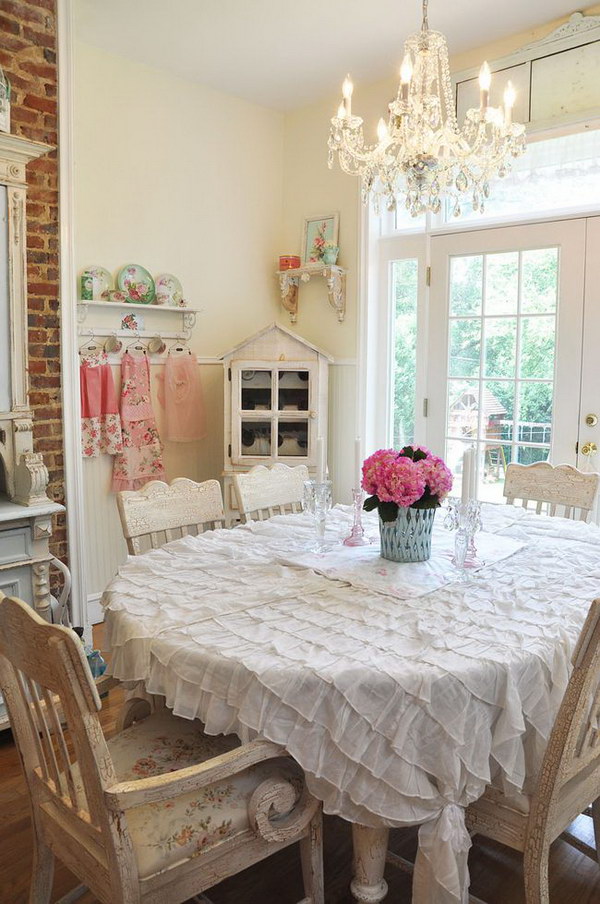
160,812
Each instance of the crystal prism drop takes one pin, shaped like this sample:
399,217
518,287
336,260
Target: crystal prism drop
461,181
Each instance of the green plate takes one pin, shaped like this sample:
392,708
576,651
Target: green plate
137,282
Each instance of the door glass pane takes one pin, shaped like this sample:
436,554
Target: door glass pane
463,407
500,346
404,284
256,390
535,413
256,437
505,402
466,285
497,428
293,390
465,347
537,347
527,455
501,283
292,438
540,268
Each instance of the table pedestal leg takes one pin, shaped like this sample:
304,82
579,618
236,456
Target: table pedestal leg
370,846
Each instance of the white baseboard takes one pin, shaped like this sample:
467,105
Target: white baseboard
95,612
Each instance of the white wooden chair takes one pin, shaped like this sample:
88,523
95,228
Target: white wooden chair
130,829
563,487
569,778
161,512
263,492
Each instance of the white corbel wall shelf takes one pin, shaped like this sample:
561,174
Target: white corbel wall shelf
188,314
335,277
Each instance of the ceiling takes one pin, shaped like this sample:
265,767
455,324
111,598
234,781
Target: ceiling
288,53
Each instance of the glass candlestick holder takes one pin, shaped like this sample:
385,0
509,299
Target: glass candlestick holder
356,537
317,501
465,519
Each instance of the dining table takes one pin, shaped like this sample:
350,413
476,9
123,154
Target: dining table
401,689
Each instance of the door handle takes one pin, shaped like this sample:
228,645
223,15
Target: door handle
589,449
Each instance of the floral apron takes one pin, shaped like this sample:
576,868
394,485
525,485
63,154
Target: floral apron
141,458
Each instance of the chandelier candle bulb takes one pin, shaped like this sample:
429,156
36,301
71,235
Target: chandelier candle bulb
485,81
347,89
406,71
341,113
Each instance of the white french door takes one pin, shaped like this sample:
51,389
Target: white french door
508,366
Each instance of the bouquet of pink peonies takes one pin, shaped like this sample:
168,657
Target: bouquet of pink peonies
412,478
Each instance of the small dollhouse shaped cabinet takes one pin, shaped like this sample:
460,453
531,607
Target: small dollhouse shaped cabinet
275,403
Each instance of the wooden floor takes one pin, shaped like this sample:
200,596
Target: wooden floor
496,875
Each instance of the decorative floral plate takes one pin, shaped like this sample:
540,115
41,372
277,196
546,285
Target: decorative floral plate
96,283
168,289
137,282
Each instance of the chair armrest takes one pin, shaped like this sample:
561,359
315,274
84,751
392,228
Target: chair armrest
105,683
126,795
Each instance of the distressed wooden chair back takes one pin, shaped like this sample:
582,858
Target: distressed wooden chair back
161,512
569,778
560,490
80,808
263,492
571,767
53,707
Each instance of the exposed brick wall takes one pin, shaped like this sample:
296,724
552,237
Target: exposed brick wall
28,57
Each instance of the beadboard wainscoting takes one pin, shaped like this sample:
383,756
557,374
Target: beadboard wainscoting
342,428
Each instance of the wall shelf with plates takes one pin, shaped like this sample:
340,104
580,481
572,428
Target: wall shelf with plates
335,277
188,314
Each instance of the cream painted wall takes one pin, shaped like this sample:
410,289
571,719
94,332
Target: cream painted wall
161,179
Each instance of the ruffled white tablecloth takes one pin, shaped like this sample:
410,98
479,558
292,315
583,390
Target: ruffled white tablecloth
400,710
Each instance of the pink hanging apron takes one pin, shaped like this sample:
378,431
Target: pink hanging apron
100,421
182,398
141,458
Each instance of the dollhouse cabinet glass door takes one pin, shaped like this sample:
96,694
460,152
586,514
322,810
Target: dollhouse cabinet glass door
273,408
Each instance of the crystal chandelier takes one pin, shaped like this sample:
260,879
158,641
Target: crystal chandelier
421,152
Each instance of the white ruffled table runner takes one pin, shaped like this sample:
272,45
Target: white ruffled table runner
400,709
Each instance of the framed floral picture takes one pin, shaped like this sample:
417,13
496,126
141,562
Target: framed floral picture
320,233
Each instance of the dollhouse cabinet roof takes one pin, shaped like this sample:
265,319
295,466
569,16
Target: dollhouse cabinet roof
274,343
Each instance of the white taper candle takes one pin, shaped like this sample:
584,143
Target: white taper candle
466,476
320,459
357,464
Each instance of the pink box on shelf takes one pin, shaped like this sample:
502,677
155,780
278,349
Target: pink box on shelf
289,261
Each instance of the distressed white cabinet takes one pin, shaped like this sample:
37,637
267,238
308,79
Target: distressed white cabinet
276,400
25,509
